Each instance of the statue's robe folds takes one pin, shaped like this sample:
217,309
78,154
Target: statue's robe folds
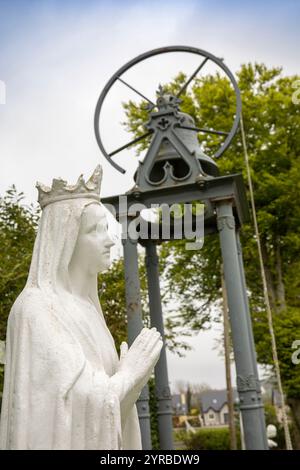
57,392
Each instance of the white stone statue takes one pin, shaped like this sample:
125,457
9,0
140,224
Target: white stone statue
65,387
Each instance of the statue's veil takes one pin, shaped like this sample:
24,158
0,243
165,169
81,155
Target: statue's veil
54,246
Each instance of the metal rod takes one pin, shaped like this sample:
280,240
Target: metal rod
251,405
199,129
135,141
183,88
134,326
230,397
162,389
136,91
248,315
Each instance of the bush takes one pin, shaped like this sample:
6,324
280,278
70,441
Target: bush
207,439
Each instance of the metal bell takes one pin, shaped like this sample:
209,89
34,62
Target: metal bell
167,153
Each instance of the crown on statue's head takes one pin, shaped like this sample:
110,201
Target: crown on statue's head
60,190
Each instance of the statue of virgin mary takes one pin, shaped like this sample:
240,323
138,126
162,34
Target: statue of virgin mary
65,386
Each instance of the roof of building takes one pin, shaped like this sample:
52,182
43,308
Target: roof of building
215,399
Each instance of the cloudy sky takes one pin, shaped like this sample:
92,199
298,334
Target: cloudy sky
55,58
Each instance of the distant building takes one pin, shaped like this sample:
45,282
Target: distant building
215,407
179,404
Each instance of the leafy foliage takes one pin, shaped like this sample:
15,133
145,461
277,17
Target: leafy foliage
18,224
207,439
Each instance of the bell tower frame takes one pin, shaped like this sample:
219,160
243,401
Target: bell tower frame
226,209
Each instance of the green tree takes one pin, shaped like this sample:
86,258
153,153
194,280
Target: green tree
18,225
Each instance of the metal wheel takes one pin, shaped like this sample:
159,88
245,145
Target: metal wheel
117,77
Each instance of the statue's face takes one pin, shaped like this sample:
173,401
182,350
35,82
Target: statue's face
94,243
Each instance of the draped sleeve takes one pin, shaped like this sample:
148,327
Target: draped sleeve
53,398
